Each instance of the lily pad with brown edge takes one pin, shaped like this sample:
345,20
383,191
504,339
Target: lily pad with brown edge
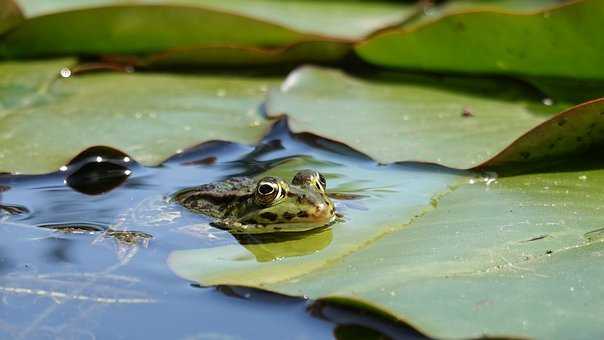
569,133
140,29
457,122
553,42
497,257
47,119
321,52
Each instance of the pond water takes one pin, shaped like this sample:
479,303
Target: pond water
83,250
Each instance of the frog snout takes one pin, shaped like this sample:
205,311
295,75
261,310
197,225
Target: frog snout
323,211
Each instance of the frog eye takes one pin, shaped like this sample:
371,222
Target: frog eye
268,190
322,182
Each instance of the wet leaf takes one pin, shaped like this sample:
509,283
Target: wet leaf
491,257
553,42
452,121
48,119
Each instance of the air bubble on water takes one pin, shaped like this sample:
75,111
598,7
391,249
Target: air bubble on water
65,72
547,101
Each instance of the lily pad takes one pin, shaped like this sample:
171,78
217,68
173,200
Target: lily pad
139,29
341,19
10,15
554,42
483,257
47,119
572,132
452,121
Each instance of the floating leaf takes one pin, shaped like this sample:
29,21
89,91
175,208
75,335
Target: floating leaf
48,119
570,133
139,29
554,42
452,121
492,257
10,15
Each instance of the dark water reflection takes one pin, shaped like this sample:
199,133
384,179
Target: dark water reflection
69,266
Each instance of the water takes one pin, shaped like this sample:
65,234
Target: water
62,275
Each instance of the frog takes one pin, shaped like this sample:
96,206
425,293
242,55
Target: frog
244,205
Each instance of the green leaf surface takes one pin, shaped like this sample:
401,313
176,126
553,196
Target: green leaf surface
397,118
47,119
342,19
10,15
572,132
394,194
491,257
142,29
554,42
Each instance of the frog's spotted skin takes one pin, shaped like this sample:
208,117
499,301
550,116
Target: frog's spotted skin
245,205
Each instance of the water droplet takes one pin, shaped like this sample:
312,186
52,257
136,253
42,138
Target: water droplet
63,168
65,72
127,172
547,101
99,159
126,159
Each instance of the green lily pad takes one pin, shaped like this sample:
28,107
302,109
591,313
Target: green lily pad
47,119
139,29
409,190
554,42
514,256
10,15
452,121
341,19
572,132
